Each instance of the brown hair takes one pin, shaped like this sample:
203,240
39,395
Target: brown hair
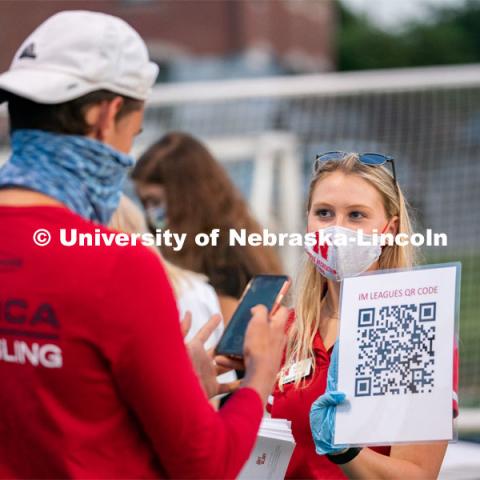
66,118
201,197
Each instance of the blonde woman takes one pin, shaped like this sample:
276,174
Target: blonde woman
348,192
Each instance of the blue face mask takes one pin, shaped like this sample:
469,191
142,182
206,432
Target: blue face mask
84,174
157,216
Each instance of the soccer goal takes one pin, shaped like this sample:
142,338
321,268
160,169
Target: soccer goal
267,131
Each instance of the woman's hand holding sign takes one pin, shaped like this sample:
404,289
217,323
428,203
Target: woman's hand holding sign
322,413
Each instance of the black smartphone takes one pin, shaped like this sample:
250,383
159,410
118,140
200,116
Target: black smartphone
267,290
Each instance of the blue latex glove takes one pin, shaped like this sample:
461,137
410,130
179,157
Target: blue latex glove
322,413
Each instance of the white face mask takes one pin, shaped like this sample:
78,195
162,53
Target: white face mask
157,216
345,258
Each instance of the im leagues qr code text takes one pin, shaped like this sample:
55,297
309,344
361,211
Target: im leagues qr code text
396,349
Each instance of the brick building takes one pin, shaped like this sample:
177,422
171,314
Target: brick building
203,39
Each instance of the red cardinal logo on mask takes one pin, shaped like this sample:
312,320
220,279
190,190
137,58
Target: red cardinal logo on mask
320,249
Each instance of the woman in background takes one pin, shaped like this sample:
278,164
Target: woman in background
184,189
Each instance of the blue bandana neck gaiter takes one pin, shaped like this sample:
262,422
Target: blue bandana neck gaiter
84,174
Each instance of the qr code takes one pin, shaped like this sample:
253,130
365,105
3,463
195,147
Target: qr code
396,347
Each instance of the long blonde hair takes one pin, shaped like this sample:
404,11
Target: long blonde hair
312,286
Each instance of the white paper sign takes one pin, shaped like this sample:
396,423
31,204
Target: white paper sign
396,356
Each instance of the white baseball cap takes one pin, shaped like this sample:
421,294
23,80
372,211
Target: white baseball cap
74,53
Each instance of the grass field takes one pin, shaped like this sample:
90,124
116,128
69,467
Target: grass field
469,326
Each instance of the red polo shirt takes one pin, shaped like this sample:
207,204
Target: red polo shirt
95,380
294,404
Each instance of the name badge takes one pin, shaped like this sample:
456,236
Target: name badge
302,368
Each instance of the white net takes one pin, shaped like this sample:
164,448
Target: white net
268,131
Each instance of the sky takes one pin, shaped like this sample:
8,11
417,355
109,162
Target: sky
392,13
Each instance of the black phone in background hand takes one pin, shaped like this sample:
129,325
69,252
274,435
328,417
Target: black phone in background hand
267,290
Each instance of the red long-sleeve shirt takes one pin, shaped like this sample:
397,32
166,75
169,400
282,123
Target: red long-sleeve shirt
95,381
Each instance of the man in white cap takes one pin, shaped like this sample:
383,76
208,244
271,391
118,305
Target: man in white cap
95,380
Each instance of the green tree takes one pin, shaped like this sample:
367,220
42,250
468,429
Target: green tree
448,36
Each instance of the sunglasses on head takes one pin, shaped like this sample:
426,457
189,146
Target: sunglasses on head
372,159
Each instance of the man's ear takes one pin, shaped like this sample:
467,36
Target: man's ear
101,117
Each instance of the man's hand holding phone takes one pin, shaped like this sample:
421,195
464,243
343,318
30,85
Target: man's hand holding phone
265,341
202,359
259,339
253,340
263,349
262,354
